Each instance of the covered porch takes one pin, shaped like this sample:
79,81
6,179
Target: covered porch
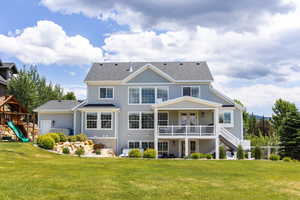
188,125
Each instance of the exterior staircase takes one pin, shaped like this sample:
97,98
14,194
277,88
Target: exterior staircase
232,140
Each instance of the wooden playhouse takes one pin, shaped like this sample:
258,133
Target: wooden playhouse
15,120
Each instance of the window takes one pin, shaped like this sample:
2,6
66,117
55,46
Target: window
147,145
163,119
148,95
91,120
162,94
134,145
163,148
106,119
134,120
101,120
193,91
226,117
141,120
134,95
106,93
147,121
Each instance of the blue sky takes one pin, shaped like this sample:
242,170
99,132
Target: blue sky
252,47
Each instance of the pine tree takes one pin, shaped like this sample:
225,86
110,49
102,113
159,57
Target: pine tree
290,135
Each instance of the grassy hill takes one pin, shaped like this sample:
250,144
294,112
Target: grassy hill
27,172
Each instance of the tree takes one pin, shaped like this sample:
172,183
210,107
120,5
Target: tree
290,135
281,108
69,96
32,90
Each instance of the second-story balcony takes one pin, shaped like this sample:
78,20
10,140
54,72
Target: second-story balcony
186,131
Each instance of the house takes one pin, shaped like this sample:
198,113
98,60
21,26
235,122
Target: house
169,106
6,72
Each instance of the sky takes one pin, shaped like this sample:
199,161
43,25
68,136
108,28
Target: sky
252,47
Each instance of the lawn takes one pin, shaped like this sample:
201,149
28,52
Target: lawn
27,172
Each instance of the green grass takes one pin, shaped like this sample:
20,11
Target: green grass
27,172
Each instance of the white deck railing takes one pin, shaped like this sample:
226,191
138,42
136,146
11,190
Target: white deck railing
179,130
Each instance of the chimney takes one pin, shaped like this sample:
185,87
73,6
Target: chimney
130,69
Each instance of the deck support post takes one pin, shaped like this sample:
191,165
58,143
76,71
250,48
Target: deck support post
155,132
217,148
186,147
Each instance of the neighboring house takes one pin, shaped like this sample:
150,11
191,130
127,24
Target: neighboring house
6,72
169,106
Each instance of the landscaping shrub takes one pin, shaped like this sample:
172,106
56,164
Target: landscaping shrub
257,153
72,138
287,159
135,153
45,142
66,150
81,137
62,137
196,155
209,156
149,153
222,152
98,151
240,153
274,157
54,136
80,151
90,142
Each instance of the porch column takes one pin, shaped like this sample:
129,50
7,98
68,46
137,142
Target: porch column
186,147
155,132
217,148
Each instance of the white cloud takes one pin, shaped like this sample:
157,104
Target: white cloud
47,43
79,90
72,73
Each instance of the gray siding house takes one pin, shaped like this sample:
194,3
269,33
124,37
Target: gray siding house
169,106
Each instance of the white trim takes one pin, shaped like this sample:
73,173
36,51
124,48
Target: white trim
104,138
140,142
144,68
83,102
140,121
53,111
226,125
140,94
104,82
98,109
191,86
98,121
102,87
187,98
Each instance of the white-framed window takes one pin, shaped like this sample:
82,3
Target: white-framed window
147,95
91,120
98,120
226,118
141,144
106,93
163,148
140,120
163,118
106,120
193,91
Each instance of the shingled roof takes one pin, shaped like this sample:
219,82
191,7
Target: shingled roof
179,71
58,105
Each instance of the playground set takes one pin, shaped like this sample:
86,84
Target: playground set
16,123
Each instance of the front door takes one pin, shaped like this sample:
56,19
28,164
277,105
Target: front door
45,126
189,119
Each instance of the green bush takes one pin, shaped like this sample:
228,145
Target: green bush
81,137
66,150
209,156
72,138
80,151
222,152
274,157
54,136
62,137
240,153
196,155
98,151
45,142
135,153
257,153
150,153
287,159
